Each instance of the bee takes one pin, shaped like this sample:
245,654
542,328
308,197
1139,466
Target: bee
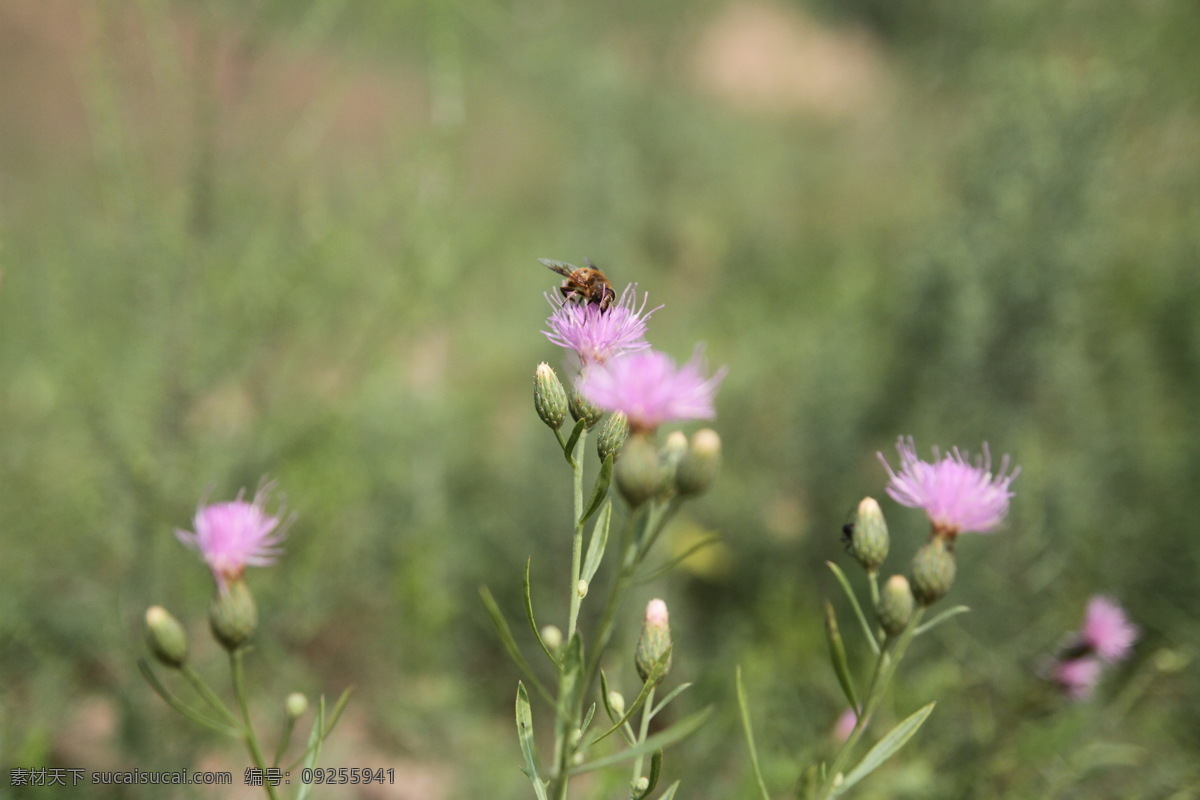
586,284
848,536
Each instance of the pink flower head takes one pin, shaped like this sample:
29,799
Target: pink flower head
231,536
1077,677
650,390
1106,630
596,335
956,494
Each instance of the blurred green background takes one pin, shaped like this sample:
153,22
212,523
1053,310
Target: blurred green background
296,239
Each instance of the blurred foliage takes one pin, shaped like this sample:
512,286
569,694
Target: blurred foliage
296,239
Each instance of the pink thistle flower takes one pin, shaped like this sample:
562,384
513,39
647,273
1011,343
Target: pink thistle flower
1076,677
596,335
956,495
649,389
1106,631
232,536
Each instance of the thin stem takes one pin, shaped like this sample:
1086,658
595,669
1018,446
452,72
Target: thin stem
645,729
239,691
885,668
207,694
577,539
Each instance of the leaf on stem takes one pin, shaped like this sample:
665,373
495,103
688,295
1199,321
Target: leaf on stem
657,669
658,741
613,716
528,747
940,618
597,544
749,732
711,539
570,683
673,694
837,655
569,447
655,774
599,490
862,618
315,737
510,644
669,794
886,747
177,704
533,626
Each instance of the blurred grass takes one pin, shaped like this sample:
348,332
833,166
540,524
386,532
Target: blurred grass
297,239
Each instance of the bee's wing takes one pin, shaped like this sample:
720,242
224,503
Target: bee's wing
587,262
561,267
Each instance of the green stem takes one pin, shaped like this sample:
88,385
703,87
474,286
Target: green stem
645,729
239,691
885,668
577,539
207,694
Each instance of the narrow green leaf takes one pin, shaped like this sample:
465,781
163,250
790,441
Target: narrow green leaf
597,544
569,447
528,747
313,749
655,774
655,675
669,794
677,560
678,690
587,719
940,618
886,747
658,741
510,644
599,490
177,704
749,731
837,654
613,717
533,626
862,618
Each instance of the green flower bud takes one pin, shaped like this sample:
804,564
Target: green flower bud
549,397
654,641
295,705
700,464
552,637
616,701
868,539
933,571
612,435
895,605
639,472
232,615
582,409
166,637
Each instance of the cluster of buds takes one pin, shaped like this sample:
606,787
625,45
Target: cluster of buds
681,466
1105,638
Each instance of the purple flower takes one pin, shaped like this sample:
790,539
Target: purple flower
1077,677
649,389
845,725
957,496
595,336
1106,631
231,536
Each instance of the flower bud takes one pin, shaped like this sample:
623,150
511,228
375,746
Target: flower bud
295,705
232,615
549,397
616,701
895,605
933,571
700,464
581,408
868,539
612,435
654,641
641,785
552,637
581,589
639,473
166,637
